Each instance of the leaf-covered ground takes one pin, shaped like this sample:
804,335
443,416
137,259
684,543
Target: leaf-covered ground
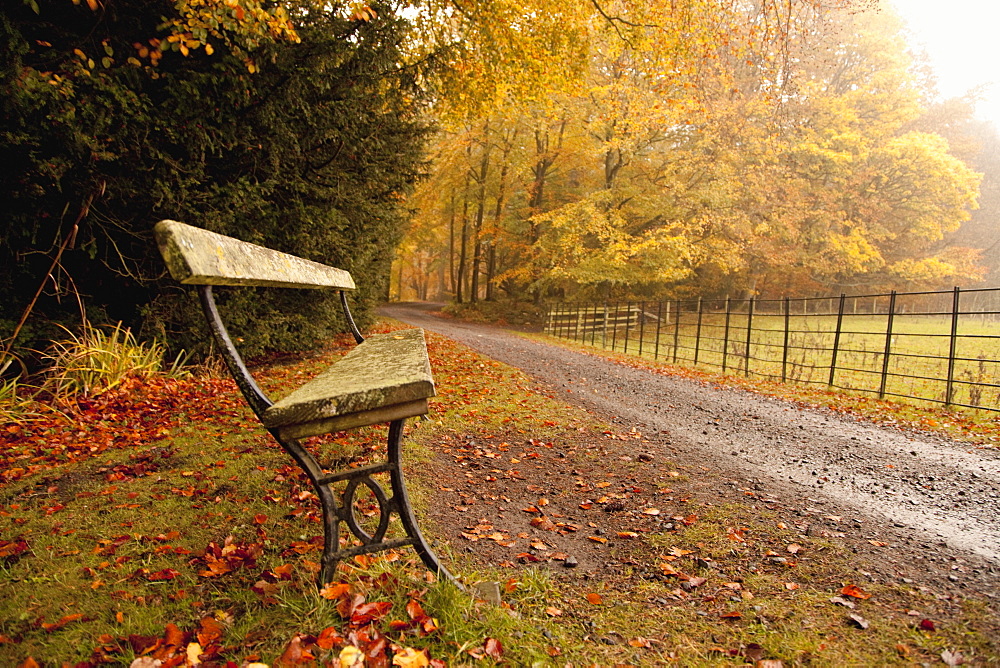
160,524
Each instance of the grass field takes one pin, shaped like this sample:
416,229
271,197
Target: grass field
922,352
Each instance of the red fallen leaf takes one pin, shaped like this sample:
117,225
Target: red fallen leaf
553,651
68,619
173,636
160,576
348,604
330,638
731,615
493,648
29,663
294,655
527,557
368,612
639,642
259,518
210,630
927,625
855,591
594,599
284,572
266,590
335,590
415,610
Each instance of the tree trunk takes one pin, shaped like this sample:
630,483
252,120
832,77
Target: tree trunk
452,281
460,283
477,246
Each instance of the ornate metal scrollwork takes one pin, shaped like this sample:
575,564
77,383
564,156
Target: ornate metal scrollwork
348,514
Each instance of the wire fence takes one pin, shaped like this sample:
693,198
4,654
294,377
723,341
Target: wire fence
941,347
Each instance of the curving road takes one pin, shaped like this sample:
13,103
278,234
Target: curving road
933,488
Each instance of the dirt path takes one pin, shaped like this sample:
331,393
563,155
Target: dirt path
938,499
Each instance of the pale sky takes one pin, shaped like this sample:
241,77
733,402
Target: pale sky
962,38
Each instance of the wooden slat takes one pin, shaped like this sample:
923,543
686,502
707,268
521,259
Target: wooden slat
386,370
198,257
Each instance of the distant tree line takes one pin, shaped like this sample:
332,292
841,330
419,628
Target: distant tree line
711,148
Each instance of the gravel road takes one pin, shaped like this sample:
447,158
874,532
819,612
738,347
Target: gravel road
925,487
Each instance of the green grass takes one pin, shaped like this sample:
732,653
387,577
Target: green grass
918,365
116,545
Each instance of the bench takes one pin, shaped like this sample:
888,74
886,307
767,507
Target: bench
385,378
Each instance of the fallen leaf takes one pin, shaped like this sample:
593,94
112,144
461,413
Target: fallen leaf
68,619
553,611
927,625
408,657
753,651
598,539
295,653
794,548
594,599
791,586
193,653
351,657
334,590
858,620
843,601
639,642
855,591
493,648
651,511
952,658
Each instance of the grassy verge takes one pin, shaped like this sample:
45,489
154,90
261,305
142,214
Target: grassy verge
160,522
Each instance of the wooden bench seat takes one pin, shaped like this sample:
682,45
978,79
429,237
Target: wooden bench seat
385,378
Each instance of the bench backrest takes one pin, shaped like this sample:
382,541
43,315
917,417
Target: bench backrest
198,257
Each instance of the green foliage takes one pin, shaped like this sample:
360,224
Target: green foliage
15,407
95,361
313,154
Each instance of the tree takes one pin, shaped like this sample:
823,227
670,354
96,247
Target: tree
311,150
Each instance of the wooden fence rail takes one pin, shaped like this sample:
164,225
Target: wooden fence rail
941,347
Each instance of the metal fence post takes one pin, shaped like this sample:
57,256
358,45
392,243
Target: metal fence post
746,365
642,325
836,337
614,329
593,326
659,321
888,345
697,332
952,344
604,334
628,321
725,336
677,326
784,348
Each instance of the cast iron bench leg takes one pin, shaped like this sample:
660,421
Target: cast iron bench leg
334,513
